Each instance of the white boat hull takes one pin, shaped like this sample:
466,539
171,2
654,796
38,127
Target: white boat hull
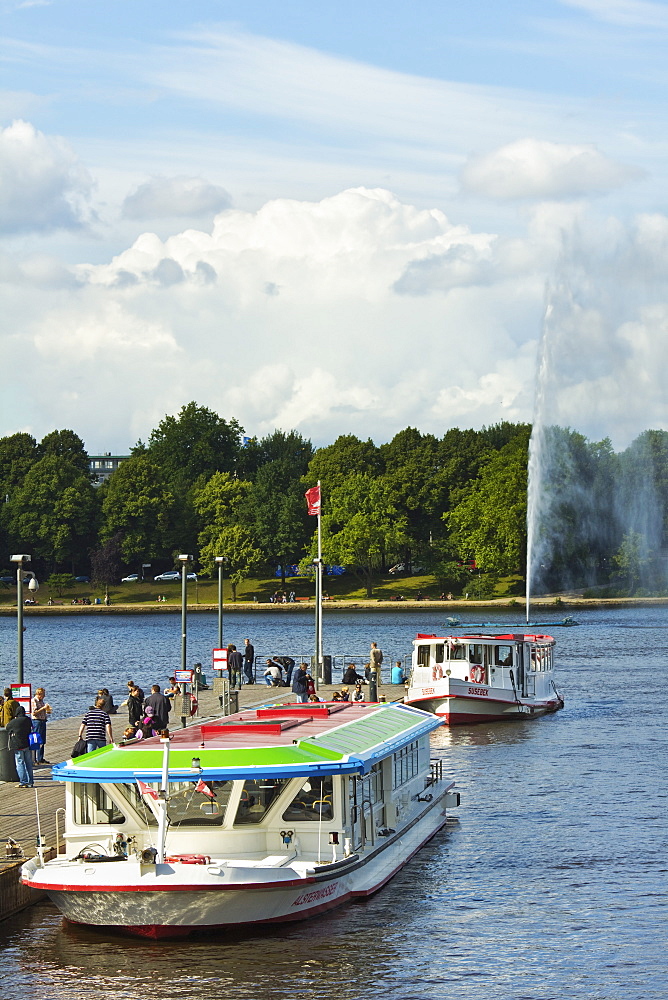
462,703
174,900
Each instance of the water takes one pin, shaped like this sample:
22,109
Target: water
551,884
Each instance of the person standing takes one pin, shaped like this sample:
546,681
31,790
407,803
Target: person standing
95,727
235,665
9,707
300,683
249,661
40,712
161,707
19,729
375,660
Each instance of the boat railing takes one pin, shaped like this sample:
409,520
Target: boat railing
338,662
435,772
58,812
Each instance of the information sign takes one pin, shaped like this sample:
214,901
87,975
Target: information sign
23,694
184,676
220,659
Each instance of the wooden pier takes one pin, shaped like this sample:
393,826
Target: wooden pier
18,812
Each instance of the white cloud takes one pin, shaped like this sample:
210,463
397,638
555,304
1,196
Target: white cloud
175,197
535,169
42,184
626,13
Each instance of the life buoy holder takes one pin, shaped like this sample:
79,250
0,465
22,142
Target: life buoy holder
477,675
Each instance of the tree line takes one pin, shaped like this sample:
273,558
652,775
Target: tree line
197,485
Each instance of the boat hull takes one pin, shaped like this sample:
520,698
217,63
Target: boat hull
154,906
480,704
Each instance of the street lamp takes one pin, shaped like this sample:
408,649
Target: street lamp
219,563
21,560
184,559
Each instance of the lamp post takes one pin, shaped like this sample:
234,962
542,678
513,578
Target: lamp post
184,559
21,560
219,563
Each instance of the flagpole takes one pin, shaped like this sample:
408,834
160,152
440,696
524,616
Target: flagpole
318,593
162,815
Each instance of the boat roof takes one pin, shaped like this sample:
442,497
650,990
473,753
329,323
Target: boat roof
284,741
477,637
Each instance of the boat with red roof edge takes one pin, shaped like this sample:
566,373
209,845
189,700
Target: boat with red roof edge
483,678
269,815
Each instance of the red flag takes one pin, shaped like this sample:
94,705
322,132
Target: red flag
313,500
146,789
202,787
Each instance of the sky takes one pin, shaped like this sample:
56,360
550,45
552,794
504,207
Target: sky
335,218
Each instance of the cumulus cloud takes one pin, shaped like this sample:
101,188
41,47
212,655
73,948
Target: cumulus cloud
535,169
175,197
42,184
357,313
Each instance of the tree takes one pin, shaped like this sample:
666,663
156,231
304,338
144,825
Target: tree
60,582
333,464
54,513
18,453
235,543
105,560
139,507
194,445
361,526
68,445
632,557
290,447
277,511
489,521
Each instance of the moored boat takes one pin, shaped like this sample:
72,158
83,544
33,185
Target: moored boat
268,815
483,678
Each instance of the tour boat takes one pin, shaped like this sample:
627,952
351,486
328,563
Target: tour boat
268,815
483,678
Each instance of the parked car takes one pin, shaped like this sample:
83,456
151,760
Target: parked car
398,568
172,575
132,578
82,579
7,579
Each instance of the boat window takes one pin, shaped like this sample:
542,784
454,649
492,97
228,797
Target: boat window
475,652
458,651
133,796
313,800
423,656
439,652
92,806
188,807
503,656
257,797
406,764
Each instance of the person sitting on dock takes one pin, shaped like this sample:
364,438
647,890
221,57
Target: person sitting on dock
398,673
109,706
351,676
172,689
358,694
345,693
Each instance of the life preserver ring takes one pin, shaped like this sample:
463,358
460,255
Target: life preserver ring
433,673
193,705
440,673
477,675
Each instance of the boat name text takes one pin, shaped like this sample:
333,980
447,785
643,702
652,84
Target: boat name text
311,897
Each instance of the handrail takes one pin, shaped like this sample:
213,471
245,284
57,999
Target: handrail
60,809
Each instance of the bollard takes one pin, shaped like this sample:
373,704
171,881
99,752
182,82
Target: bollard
373,685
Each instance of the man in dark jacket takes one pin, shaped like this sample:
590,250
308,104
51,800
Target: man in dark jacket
161,707
235,663
300,683
18,732
249,661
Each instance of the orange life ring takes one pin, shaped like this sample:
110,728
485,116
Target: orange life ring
433,673
440,673
477,675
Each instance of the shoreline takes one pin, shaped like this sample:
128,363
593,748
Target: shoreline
376,604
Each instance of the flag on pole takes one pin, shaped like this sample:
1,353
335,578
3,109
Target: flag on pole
146,789
202,787
313,500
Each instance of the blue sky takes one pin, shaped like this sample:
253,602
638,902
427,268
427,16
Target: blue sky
335,217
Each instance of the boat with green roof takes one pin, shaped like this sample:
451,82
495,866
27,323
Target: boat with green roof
269,815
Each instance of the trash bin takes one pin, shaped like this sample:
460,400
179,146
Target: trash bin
326,669
7,759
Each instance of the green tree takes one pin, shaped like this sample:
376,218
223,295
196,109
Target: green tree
54,513
489,521
289,446
277,511
333,464
361,526
194,445
68,445
235,543
106,562
632,557
60,582
139,506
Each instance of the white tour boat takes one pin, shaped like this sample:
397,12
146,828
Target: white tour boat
272,814
483,678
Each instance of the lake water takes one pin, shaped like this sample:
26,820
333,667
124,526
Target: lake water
550,883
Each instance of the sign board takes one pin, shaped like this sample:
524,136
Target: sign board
23,694
184,676
220,659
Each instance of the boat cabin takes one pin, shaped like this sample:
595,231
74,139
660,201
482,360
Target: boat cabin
517,662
